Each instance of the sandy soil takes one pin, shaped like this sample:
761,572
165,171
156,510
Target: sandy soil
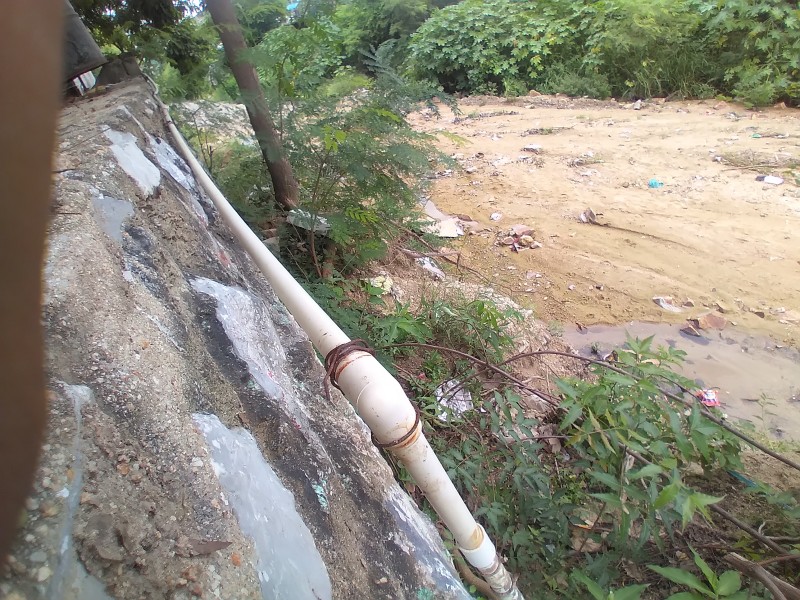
712,233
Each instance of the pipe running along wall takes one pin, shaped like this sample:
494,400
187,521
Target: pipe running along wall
376,396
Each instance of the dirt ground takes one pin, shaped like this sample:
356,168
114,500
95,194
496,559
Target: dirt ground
712,233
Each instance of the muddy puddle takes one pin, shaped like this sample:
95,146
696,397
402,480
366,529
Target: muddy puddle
758,381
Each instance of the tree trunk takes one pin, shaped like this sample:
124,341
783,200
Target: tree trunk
230,32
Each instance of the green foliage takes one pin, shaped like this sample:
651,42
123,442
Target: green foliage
369,23
103,17
529,505
493,45
239,171
615,413
688,48
728,585
190,47
759,42
631,592
649,49
294,62
477,326
528,500
258,17
345,82
573,79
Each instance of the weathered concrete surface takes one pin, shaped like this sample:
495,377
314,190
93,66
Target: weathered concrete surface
152,316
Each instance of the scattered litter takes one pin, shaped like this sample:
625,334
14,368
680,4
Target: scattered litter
496,216
549,434
305,220
431,267
709,321
771,179
655,184
637,105
708,397
588,216
756,135
571,287
666,303
458,402
518,237
382,282
535,148
449,228
444,226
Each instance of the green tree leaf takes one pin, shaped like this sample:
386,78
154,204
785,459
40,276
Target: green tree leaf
729,583
683,578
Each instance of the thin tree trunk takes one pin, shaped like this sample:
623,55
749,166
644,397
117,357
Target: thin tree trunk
230,32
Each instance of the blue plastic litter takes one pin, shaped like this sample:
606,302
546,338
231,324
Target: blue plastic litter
654,184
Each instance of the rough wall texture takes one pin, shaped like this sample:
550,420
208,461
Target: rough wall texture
155,320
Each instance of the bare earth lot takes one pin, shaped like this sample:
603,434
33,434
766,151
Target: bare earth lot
712,233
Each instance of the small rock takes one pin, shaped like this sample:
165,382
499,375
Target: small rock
689,330
759,313
38,557
709,321
571,287
588,216
688,303
123,469
536,245
17,568
48,509
43,574
534,93
723,308
236,559
508,241
525,240
382,581
196,590
535,148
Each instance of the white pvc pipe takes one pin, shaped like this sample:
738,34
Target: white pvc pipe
376,396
